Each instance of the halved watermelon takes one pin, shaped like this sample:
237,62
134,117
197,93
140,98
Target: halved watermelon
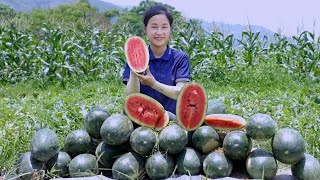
137,54
146,111
225,122
191,106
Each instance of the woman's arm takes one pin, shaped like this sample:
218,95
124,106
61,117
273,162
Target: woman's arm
170,91
133,85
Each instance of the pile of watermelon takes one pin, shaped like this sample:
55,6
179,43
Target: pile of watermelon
146,141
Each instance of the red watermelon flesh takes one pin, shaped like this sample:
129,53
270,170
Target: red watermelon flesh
146,111
226,122
137,54
191,106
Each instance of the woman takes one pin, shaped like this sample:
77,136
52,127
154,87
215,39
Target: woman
169,69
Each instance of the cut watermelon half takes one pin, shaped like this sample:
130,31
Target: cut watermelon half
146,111
137,54
225,122
191,106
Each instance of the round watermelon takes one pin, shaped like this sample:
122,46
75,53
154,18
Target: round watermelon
159,166
93,121
217,165
288,146
128,166
308,168
173,139
261,164
116,129
205,139
83,165
107,154
44,145
237,145
216,106
59,164
29,167
143,140
188,162
78,142
261,127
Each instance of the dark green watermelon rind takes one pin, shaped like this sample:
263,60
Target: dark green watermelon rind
160,166
180,107
145,49
225,122
143,140
237,145
205,139
217,165
83,165
188,162
164,118
44,144
261,127
288,146
173,134
128,166
261,162
307,168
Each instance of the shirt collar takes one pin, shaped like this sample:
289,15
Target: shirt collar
166,56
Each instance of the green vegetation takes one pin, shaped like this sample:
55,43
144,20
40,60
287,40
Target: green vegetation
55,67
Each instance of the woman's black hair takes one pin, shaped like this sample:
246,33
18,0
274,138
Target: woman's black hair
156,10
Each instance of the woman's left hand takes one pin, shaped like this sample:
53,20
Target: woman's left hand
146,79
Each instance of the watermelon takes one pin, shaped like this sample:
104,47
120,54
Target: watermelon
107,154
143,140
261,164
159,166
191,106
237,145
83,165
216,106
173,139
58,165
288,146
172,117
78,142
261,127
188,162
225,122
116,129
307,168
146,111
44,145
29,167
94,120
128,166
205,139
217,165
137,54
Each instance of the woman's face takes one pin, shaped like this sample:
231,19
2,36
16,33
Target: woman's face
158,30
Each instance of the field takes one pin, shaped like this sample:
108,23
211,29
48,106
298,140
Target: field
52,78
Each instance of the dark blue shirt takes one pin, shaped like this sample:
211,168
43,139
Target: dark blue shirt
172,67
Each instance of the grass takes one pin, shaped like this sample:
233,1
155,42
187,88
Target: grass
263,88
